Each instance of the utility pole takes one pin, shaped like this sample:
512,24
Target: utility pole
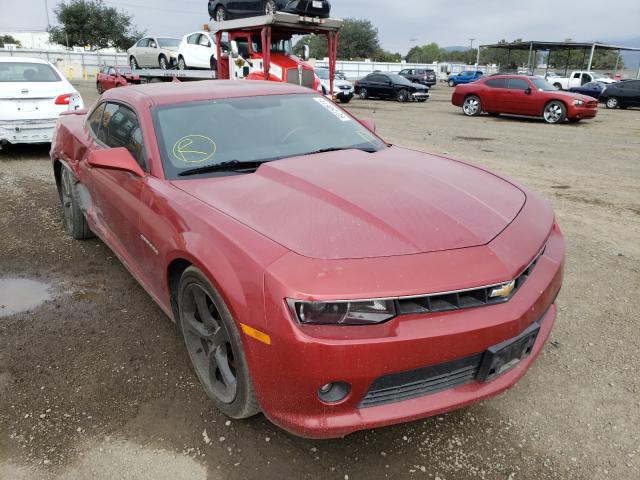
471,47
46,10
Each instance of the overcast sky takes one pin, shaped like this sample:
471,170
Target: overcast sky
401,23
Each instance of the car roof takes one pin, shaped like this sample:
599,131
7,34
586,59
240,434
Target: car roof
23,59
510,75
168,93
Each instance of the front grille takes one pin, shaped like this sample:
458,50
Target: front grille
423,381
592,104
476,297
294,77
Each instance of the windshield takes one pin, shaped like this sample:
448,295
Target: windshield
322,73
168,42
200,134
278,45
27,72
399,79
543,85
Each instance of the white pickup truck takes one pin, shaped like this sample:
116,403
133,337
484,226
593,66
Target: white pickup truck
576,79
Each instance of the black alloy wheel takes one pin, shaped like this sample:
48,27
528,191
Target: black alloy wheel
214,346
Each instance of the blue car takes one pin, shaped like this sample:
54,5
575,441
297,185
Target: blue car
467,76
593,89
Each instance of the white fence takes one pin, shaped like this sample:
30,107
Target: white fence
356,70
74,65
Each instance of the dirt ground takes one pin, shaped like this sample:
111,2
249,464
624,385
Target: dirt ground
94,382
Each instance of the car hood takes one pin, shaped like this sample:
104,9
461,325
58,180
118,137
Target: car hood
336,82
353,204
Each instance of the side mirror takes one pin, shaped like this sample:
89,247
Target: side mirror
369,123
115,159
527,91
305,53
234,49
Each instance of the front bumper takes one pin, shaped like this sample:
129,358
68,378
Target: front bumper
420,95
582,112
300,359
27,131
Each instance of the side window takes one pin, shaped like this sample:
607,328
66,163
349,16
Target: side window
143,43
203,41
404,72
193,38
95,119
496,83
517,84
152,43
120,128
576,75
112,71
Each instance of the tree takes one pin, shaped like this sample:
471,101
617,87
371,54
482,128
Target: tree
4,39
383,55
92,23
578,59
425,54
358,40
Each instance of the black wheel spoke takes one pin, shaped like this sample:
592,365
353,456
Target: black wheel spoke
222,362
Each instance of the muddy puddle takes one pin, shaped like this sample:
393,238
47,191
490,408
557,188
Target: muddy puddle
21,294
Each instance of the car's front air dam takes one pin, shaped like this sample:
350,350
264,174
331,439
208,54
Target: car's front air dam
300,359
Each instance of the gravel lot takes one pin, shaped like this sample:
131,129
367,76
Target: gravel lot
94,382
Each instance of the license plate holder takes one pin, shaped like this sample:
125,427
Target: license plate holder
501,358
316,4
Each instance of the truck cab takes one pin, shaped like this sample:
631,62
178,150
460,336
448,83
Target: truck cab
261,48
577,79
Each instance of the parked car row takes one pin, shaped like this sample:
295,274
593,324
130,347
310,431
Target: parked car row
390,85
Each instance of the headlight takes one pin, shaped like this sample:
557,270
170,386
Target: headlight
578,103
343,313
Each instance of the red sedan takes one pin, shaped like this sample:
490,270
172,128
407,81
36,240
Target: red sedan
523,95
319,275
114,76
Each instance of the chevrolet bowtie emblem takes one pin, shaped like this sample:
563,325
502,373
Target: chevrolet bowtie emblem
503,290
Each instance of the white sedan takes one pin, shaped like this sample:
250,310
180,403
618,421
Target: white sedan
342,89
198,50
33,93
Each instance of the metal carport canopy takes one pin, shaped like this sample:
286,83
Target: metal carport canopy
535,46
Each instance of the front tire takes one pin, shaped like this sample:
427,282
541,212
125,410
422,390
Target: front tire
213,64
402,96
74,219
163,62
345,99
133,63
612,102
472,106
452,83
182,65
554,112
215,346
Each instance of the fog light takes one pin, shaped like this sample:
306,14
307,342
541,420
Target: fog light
334,392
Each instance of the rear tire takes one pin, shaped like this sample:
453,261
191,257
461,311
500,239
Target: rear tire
220,15
472,106
558,86
270,7
215,346
554,112
452,83
74,219
612,102
213,64
133,63
363,94
99,88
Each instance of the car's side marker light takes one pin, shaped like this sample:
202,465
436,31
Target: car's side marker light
257,334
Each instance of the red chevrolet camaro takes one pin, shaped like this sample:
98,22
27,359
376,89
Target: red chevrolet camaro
523,95
318,274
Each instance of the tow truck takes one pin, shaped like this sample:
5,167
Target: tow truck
261,48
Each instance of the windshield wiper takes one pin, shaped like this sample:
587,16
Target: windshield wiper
338,149
230,166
